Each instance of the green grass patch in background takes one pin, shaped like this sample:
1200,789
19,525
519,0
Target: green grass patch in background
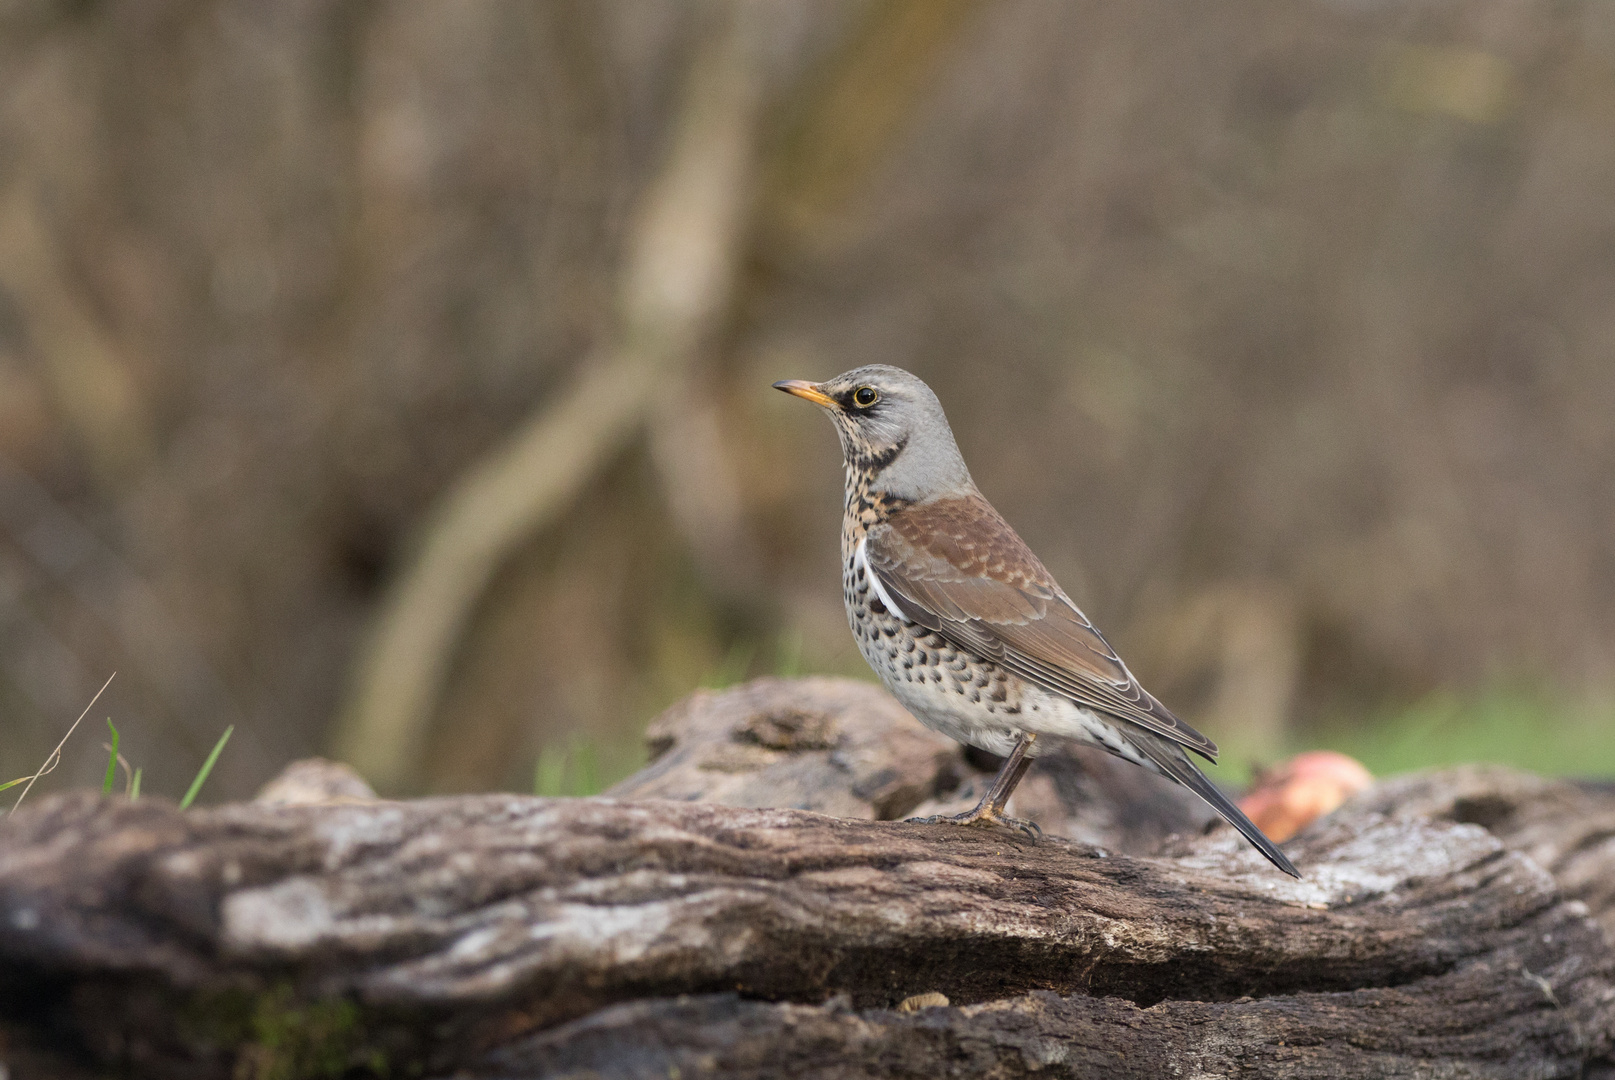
1532,729
573,769
1523,728
585,766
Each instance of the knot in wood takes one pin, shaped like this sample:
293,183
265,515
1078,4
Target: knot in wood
789,729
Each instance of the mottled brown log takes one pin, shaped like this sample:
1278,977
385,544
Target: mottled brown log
508,936
833,745
492,917
1566,828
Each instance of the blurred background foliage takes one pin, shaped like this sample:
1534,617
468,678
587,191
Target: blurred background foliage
1282,329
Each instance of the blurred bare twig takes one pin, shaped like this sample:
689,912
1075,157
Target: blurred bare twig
51,152
89,383
55,756
703,493
676,281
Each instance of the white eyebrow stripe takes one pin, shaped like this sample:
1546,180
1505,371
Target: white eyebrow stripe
861,558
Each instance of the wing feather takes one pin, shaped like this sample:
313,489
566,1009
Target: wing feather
956,567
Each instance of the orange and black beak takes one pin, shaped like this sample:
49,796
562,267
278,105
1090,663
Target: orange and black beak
808,392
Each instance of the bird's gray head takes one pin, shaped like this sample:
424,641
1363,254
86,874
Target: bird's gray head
893,429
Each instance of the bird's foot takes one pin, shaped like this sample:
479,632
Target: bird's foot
982,817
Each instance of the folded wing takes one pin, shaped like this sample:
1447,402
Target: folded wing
956,567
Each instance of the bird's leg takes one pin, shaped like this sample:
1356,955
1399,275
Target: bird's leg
1008,778
990,810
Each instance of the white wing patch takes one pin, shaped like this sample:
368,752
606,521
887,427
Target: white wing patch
862,560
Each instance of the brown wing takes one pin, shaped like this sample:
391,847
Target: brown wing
956,567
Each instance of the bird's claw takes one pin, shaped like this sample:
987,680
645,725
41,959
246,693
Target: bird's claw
981,817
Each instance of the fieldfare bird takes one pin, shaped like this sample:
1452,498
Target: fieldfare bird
962,622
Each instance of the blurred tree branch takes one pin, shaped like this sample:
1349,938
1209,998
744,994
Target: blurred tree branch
871,88
90,384
842,131
677,282
702,491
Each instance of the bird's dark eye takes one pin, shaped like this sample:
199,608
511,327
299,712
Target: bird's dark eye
865,396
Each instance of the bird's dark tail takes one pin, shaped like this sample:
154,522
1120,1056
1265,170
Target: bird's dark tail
1175,763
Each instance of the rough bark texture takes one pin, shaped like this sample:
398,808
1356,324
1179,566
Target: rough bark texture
506,936
1566,828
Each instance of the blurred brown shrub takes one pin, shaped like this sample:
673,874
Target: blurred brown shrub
1282,330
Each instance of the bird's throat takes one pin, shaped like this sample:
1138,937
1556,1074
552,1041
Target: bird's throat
867,505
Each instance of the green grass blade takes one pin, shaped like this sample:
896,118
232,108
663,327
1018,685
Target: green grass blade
207,767
549,772
134,787
733,668
14,783
585,769
788,654
112,761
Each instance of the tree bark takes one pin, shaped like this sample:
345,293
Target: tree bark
508,936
